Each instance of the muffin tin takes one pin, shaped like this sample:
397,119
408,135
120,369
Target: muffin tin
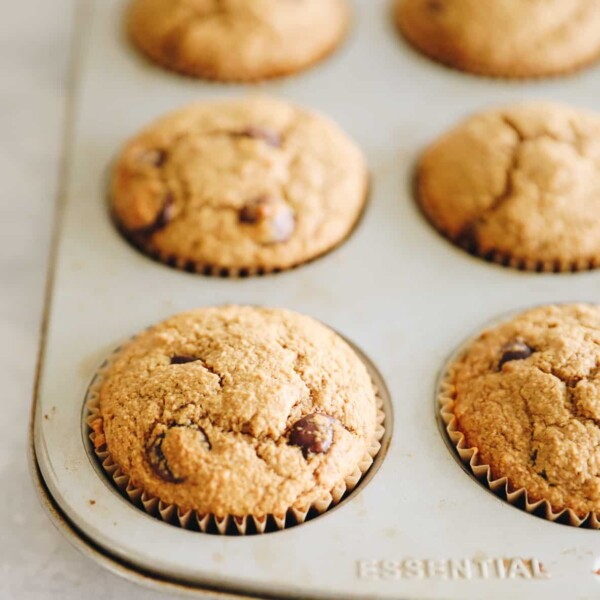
420,527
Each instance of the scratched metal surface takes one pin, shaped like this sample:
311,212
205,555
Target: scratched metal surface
398,290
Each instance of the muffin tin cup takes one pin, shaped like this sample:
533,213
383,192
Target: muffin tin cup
483,71
208,522
208,77
200,268
502,487
498,257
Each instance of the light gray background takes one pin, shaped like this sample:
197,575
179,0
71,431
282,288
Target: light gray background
35,561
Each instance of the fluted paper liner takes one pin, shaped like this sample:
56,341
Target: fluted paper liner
531,265
210,523
501,487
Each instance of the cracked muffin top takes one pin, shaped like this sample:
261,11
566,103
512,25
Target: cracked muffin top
519,185
237,411
237,40
245,186
504,38
527,396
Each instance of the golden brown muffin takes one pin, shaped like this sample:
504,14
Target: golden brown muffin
237,411
237,40
239,187
504,38
526,395
519,186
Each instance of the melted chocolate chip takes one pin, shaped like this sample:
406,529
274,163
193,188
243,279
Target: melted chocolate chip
254,211
158,460
156,158
435,6
166,214
516,350
156,456
269,136
313,433
182,360
273,219
163,218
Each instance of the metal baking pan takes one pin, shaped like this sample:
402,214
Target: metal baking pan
421,527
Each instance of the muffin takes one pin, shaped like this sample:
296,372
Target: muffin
504,38
522,404
239,187
237,40
519,186
237,412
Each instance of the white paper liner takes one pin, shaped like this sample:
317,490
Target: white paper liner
209,523
483,472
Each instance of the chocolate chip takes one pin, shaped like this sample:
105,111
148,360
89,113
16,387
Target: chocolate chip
467,239
435,6
273,219
156,158
313,433
269,136
543,474
254,211
156,456
166,214
158,460
162,219
516,350
533,456
182,360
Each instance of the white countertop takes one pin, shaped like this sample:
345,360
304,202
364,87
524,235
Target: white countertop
35,561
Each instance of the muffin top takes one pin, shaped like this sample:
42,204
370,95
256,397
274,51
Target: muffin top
242,184
522,181
527,396
237,40
505,38
238,411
